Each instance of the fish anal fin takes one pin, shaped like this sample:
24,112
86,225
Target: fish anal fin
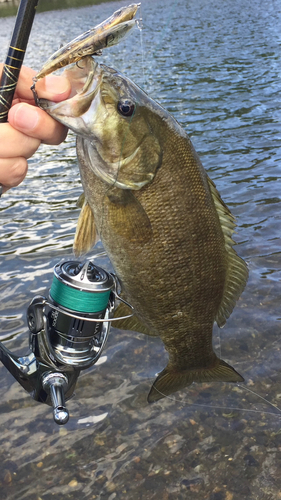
237,272
132,324
86,235
236,279
127,216
171,380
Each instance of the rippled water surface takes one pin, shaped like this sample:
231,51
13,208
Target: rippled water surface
216,67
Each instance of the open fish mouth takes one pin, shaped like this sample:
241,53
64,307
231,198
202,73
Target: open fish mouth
85,78
105,111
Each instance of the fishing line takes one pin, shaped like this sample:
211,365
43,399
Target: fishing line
77,299
140,27
232,408
219,340
259,396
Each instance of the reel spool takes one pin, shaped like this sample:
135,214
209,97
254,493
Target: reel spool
84,289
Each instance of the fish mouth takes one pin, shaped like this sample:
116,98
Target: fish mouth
91,112
85,79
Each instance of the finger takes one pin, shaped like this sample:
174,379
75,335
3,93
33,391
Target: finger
55,88
14,143
12,172
37,124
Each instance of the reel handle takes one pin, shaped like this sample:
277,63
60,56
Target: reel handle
55,384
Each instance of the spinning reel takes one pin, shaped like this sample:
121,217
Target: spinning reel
67,333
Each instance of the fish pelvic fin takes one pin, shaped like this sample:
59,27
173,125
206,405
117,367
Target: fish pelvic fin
86,235
171,380
133,323
237,272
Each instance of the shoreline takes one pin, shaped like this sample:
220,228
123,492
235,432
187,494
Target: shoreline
10,7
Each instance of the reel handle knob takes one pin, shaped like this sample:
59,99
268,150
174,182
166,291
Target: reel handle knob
55,383
61,415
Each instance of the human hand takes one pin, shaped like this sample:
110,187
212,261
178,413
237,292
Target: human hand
29,125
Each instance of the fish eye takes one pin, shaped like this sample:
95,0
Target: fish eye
126,107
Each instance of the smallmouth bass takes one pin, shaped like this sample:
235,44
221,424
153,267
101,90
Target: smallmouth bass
160,218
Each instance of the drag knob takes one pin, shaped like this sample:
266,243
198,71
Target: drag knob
55,384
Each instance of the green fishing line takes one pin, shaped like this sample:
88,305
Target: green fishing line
78,300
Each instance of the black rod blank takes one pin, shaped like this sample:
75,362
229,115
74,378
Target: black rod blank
15,56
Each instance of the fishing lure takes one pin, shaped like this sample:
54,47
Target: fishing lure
105,34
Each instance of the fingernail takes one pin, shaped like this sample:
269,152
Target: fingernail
56,86
26,117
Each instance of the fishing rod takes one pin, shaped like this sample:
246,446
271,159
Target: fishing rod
15,56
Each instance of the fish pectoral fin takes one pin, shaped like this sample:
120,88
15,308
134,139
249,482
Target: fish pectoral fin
128,218
86,235
81,200
133,324
170,380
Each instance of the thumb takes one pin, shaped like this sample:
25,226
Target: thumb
54,88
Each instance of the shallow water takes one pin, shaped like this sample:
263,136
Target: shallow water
216,67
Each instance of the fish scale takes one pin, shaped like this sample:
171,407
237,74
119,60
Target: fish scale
158,261
161,220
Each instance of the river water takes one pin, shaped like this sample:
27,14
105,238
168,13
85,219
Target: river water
216,67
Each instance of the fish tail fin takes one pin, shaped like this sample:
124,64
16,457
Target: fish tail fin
171,380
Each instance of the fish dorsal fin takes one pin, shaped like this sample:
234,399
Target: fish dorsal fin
237,272
132,324
86,235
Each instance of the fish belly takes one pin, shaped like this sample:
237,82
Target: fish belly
174,280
